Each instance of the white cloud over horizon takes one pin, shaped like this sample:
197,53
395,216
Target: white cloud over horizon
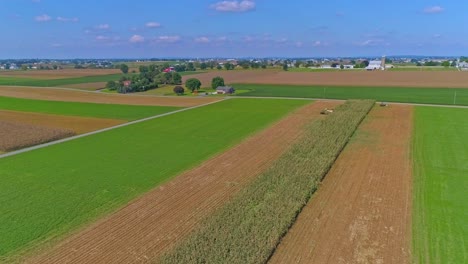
234,6
43,18
153,25
136,39
433,10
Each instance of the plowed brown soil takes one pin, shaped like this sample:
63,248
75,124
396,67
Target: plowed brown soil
362,211
443,79
102,98
152,224
58,74
79,125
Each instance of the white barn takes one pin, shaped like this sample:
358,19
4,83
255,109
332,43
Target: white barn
375,65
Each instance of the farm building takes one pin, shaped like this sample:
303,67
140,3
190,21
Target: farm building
375,65
225,90
463,66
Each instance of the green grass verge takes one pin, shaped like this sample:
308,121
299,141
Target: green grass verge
113,111
51,191
249,227
387,94
440,205
57,82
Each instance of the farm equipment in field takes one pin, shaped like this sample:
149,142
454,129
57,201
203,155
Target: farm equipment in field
326,111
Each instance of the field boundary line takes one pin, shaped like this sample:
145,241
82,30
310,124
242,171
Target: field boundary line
13,153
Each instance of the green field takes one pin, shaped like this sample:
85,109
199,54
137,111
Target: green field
19,81
387,94
440,205
67,185
113,111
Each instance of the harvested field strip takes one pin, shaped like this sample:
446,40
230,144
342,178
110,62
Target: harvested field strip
14,135
18,81
442,79
362,211
249,227
79,125
155,222
454,96
124,112
68,185
440,221
101,98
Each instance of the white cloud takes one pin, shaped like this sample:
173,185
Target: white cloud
234,6
370,42
43,18
103,26
102,38
153,25
168,39
202,40
433,10
299,44
66,19
137,39
317,43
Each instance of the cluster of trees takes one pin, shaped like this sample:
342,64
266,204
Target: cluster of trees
150,77
252,64
361,64
194,84
436,63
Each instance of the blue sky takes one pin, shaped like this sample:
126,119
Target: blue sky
208,28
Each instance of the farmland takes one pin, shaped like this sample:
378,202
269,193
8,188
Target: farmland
458,96
18,81
440,146
79,125
14,135
159,219
68,95
362,211
430,79
102,172
125,112
249,227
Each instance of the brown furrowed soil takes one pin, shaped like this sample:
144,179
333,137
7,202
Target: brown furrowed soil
87,86
155,222
101,98
58,74
79,125
15,135
443,79
362,211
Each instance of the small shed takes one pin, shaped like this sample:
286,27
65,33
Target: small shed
225,90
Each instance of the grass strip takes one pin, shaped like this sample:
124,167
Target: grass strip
248,229
440,207
113,111
445,96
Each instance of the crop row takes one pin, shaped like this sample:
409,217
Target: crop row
14,135
248,229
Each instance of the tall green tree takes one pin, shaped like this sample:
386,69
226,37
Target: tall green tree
124,68
216,82
285,66
203,66
193,84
